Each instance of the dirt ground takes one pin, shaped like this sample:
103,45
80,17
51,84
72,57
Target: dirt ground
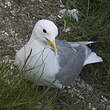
17,18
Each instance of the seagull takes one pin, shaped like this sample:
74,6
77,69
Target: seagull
50,60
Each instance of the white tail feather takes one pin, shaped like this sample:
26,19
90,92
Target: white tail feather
76,44
92,58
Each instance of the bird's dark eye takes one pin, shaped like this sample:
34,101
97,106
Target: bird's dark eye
44,31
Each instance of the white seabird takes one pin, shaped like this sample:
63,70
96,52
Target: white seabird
52,60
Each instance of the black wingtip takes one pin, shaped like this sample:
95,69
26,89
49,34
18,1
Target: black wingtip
95,39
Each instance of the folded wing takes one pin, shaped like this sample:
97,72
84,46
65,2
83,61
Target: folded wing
72,56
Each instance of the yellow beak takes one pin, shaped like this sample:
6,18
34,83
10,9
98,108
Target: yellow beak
52,44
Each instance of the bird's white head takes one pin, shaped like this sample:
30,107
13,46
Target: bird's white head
45,31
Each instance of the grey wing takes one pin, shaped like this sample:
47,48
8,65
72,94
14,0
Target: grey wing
71,60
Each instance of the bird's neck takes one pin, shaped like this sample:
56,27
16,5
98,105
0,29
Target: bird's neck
38,40
37,43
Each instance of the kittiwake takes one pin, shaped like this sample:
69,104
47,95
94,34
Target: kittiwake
53,61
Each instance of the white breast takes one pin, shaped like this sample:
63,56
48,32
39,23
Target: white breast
42,60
